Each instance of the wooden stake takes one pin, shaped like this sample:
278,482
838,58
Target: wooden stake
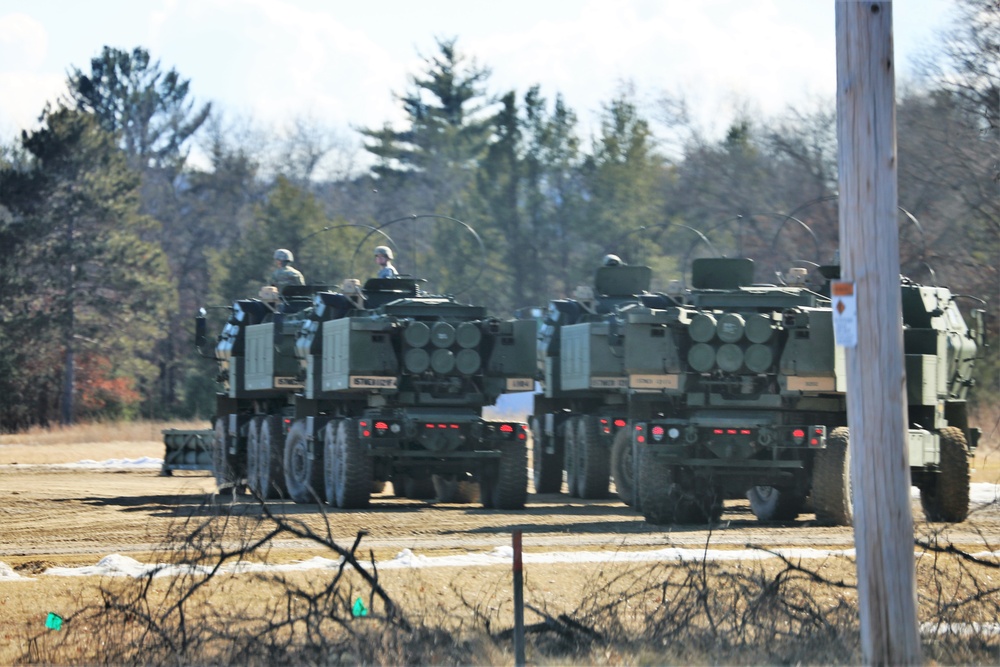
518,602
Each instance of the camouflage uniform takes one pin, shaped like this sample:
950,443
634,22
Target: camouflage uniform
286,275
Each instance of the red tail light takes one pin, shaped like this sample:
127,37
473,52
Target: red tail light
506,428
620,423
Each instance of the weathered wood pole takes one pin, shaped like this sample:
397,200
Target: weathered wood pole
876,382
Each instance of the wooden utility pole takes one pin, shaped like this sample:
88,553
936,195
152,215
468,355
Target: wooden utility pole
876,381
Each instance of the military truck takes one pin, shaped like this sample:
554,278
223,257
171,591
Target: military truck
740,390
582,409
327,395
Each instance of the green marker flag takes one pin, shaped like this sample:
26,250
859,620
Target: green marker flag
54,621
359,608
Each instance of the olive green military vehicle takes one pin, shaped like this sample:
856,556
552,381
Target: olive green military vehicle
581,413
327,395
739,391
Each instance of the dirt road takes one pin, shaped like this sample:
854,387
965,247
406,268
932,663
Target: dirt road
68,516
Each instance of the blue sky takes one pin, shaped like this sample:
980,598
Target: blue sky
340,62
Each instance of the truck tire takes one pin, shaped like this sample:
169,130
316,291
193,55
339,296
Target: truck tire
769,503
271,456
571,458
487,484
222,460
657,493
352,466
666,498
329,456
946,498
253,455
593,476
303,473
547,468
621,465
831,492
709,505
510,486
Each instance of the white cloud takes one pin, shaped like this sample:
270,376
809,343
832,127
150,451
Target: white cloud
23,43
24,85
274,60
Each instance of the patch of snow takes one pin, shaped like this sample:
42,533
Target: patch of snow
965,629
117,565
141,463
7,573
980,493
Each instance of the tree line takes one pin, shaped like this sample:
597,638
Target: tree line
112,237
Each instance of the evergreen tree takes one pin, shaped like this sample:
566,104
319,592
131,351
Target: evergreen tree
528,186
148,109
87,292
152,115
624,179
429,166
292,218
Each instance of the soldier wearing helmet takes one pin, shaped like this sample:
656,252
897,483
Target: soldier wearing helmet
284,274
383,257
613,260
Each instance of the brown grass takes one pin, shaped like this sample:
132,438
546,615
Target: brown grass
663,613
987,459
99,441
98,432
767,612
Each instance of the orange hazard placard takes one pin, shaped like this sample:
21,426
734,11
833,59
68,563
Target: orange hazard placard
845,313
841,288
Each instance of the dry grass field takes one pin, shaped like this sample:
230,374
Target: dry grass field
616,611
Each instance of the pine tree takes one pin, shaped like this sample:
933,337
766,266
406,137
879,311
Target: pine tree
89,287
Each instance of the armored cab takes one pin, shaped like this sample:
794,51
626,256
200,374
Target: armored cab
581,367
740,391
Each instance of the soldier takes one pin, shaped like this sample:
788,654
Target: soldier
613,260
383,257
284,274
